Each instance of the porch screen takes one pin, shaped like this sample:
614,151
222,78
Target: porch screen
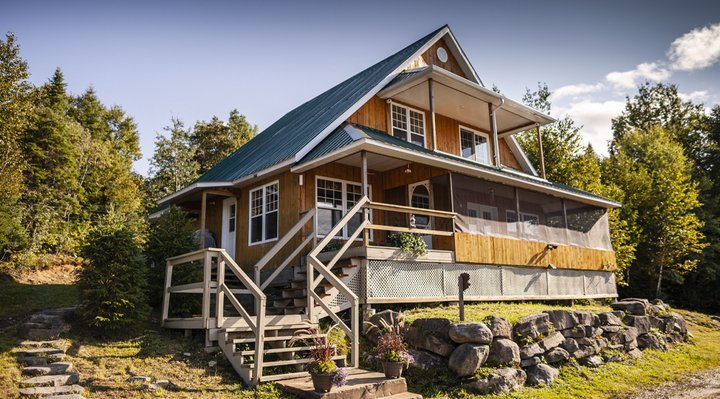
492,209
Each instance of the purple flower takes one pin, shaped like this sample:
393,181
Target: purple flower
340,377
407,358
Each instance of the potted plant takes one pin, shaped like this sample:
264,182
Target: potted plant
391,349
409,243
324,372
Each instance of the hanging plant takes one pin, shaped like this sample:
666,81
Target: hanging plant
408,242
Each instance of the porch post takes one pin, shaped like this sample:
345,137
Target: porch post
493,127
431,101
540,148
203,212
364,179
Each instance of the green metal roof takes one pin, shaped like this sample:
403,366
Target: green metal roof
342,137
288,135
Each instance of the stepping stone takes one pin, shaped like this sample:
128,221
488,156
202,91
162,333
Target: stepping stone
51,380
42,333
64,397
41,344
50,369
41,360
38,351
44,391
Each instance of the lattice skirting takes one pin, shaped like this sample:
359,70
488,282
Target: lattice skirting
391,281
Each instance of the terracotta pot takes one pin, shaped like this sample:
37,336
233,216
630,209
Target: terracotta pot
392,369
322,382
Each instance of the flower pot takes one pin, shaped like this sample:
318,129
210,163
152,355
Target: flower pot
322,382
392,369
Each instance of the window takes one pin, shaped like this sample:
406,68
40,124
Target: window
529,221
334,198
408,124
264,213
474,145
231,218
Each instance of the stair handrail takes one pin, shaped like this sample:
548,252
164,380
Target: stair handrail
258,325
314,263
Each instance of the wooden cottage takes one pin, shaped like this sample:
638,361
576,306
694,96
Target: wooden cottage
303,215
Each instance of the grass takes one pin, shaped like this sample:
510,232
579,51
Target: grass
18,299
609,381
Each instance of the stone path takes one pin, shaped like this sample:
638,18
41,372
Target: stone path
48,376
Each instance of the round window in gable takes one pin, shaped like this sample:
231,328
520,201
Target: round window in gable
442,54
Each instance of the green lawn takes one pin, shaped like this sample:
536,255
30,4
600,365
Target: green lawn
18,299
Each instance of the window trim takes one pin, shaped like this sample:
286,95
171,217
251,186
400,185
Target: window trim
344,209
407,121
250,217
475,133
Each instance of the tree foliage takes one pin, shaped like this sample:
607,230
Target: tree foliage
215,140
173,165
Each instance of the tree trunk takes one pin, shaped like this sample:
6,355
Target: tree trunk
659,284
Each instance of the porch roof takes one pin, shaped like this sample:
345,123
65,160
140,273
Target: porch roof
349,138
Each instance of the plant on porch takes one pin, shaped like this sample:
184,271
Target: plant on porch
391,349
323,370
408,242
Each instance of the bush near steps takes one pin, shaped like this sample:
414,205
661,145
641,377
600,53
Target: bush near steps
529,352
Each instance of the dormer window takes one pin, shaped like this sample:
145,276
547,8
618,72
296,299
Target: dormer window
408,124
474,145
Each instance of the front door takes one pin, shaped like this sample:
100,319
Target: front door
421,197
229,224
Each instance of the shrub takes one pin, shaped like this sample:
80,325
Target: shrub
112,285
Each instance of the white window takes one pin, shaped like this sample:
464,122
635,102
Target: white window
529,221
264,218
484,212
334,198
474,145
408,124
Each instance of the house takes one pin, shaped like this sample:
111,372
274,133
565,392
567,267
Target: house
304,212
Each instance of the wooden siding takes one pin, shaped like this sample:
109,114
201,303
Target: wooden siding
507,157
472,248
430,57
372,114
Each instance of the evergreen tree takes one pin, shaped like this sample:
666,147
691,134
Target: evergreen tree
15,109
215,140
173,165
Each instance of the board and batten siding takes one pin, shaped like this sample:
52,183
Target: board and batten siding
471,248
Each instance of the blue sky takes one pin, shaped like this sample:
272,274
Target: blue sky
193,60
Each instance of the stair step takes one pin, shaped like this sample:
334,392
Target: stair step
41,344
51,380
73,396
286,376
273,339
289,362
59,390
277,350
50,369
41,360
405,395
38,351
360,384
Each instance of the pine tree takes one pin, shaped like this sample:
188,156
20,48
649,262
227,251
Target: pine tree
215,140
173,165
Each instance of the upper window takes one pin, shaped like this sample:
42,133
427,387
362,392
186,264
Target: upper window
264,203
474,145
408,124
334,198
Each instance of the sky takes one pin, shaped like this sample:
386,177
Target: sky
192,60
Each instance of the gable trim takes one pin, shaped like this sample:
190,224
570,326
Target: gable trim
351,110
520,155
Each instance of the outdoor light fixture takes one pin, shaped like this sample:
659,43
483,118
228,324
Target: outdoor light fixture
408,170
550,247
552,267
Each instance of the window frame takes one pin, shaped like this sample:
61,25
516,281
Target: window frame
344,192
475,133
407,123
262,215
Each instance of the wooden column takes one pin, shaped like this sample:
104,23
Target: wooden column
431,101
495,141
203,216
542,155
364,177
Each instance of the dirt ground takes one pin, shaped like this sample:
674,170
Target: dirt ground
55,274
705,385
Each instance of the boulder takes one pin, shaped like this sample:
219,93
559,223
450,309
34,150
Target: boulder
532,327
562,319
674,338
633,306
635,353
612,357
628,346
642,323
662,305
504,380
529,351
499,327
470,333
570,345
557,355
524,363
585,318
503,352
674,323
592,361
651,341
656,323
467,358
610,329
425,360
619,314
591,331
542,374
388,316
552,341
420,340
609,319
575,332
625,335
436,326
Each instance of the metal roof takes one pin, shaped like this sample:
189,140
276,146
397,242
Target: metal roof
283,139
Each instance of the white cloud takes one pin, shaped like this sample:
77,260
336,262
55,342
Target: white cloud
697,95
576,90
697,49
629,79
596,119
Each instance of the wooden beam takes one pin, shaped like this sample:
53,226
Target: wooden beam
542,155
493,129
203,215
409,209
409,230
364,177
431,101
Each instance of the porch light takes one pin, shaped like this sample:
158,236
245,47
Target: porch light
408,170
551,267
550,247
